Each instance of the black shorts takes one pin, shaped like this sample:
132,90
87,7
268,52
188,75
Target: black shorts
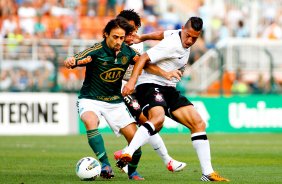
151,95
133,106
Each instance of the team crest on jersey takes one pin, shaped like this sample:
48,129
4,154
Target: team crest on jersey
159,97
135,105
124,60
112,74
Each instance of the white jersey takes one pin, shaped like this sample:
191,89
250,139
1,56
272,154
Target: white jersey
170,32
139,47
169,55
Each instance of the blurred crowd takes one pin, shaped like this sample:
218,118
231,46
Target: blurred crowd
85,19
81,19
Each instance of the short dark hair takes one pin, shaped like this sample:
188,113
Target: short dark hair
131,15
196,23
119,22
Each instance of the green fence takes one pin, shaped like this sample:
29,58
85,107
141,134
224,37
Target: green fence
236,114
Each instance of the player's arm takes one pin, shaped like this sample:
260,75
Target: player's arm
158,35
79,59
159,52
154,69
137,69
72,62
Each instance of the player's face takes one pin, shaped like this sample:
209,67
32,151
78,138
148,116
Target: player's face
115,38
189,36
130,37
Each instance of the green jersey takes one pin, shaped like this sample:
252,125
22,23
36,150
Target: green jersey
103,76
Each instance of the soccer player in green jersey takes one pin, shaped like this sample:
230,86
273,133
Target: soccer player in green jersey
100,95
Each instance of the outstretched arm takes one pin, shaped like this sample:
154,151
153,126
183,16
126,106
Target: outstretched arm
158,35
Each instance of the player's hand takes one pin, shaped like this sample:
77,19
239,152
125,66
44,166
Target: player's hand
128,88
136,38
173,74
69,62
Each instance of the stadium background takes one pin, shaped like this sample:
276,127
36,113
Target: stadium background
235,77
234,81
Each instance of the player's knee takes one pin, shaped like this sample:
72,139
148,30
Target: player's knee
90,120
157,118
199,125
158,122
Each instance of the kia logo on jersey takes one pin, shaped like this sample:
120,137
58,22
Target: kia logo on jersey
112,75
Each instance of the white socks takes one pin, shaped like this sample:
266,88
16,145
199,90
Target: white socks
202,148
140,138
158,144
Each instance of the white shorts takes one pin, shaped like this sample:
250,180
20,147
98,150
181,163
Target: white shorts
116,115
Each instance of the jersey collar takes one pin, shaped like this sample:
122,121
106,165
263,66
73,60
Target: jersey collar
110,51
107,49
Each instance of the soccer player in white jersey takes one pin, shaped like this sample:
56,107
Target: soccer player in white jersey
157,95
133,106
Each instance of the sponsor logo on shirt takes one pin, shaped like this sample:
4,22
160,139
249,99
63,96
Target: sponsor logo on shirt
108,99
112,75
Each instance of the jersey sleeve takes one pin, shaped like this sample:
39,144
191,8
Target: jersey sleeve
86,56
163,50
171,32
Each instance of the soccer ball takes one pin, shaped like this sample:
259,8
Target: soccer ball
88,168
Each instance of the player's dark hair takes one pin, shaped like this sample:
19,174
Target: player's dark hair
196,23
131,15
118,23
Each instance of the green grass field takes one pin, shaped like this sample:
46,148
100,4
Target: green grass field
243,158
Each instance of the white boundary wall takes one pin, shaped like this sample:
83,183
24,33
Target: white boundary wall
38,114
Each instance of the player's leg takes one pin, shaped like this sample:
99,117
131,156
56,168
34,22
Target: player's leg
135,110
95,139
122,122
159,94
158,145
128,133
156,141
189,117
154,109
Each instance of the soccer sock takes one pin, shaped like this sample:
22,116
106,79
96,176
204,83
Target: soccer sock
134,162
158,144
96,142
202,146
140,138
